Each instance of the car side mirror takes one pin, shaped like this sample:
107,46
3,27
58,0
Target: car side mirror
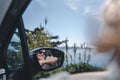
46,59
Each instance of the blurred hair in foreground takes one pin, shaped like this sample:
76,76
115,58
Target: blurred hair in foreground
109,38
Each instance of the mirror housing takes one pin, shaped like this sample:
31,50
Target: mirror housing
45,59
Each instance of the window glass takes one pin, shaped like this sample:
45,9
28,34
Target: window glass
14,52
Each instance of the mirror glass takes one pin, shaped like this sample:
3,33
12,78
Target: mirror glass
47,58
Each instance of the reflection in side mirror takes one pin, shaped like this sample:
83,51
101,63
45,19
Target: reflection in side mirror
45,59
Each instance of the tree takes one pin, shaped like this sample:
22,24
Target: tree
39,37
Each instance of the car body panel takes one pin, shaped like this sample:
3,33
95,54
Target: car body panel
4,5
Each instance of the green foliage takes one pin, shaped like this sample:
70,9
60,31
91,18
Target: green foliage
82,67
39,37
72,68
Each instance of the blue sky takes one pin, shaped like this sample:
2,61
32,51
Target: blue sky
76,20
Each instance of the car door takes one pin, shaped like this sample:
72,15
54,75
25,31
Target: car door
17,61
14,57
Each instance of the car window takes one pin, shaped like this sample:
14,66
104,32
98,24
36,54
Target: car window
69,25
14,55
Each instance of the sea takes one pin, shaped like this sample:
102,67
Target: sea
87,55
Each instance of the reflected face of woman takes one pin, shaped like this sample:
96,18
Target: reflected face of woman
41,56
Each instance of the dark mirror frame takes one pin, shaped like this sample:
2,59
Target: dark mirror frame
34,61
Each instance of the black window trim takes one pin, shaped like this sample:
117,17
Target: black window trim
27,64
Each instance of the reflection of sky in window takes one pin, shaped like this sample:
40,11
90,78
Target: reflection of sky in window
12,48
66,18
15,38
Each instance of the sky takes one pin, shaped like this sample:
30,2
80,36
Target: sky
77,20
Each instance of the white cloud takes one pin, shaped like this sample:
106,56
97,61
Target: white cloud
72,4
41,2
86,10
